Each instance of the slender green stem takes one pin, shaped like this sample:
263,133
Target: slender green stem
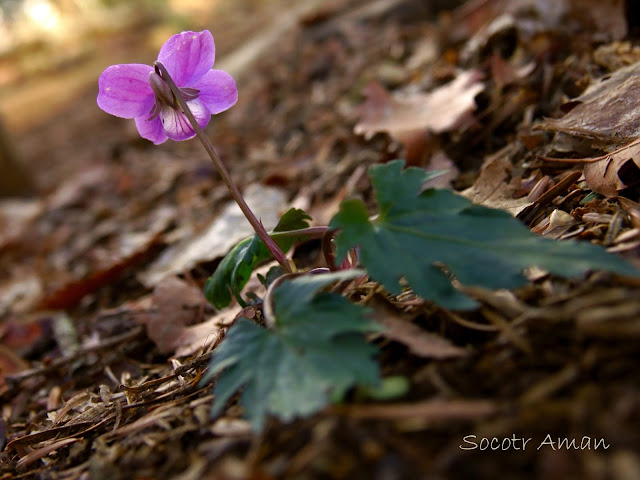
226,178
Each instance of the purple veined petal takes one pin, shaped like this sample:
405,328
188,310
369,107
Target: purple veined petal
176,124
124,90
187,56
218,91
152,130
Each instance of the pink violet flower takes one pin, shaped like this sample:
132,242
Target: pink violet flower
138,91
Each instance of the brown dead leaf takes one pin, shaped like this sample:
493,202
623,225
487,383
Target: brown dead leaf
614,172
560,222
420,342
491,189
130,247
199,337
440,161
606,18
608,111
444,109
75,189
178,305
610,173
222,234
44,451
505,73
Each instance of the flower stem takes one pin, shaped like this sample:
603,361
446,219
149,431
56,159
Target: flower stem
235,193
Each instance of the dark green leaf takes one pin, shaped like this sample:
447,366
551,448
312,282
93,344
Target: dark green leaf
236,267
315,352
425,237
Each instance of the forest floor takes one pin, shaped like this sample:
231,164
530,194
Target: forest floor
106,333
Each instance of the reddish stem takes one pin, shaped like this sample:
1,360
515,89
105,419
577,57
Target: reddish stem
226,178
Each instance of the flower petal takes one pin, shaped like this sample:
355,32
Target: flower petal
188,56
218,91
151,129
124,90
176,124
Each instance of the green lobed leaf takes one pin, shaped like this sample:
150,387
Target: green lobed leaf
424,237
236,267
314,353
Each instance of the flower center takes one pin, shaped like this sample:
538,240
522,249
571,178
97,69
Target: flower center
164,95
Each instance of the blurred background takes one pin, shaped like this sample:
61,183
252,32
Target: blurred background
53,51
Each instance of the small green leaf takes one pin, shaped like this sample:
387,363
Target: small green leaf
390,388
236,267
315,352
424,236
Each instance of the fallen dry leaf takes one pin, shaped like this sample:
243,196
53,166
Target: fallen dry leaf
177,305
606,175
608,111
135,247
491,189
441,162
444,109
222,234
505,73
560,222
534,16
610,173
420,342
199,337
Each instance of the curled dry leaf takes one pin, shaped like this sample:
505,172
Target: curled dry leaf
199,337
614,172
491,188
178,305
444,109
610,173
